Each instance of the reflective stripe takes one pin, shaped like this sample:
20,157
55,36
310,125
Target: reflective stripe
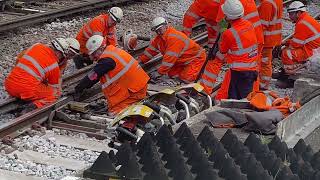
275,32
214,27
211,40
265,78
117,76
289,54
220,56
123,62
51,67
186,42
265,60
153,48
167,64
251,15
312,38
273,22
210,75
189,13
207,83
198,55
35,64
147,54
243,65
241,50
171,53
28,70
85,34
98,33
256,24
263,85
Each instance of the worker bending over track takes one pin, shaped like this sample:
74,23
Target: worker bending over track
239,48
182,57
37,74
123,81
103,25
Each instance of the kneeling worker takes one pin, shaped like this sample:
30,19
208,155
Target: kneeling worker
37,74
123,81
182,57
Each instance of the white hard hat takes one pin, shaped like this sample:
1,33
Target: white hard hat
296,6
61,45
157,23
74,45
116,14
233,9
94,43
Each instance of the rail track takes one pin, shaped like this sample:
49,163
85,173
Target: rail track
43,16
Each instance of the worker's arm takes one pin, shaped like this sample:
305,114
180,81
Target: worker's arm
112,36
174,47
54,79
101,68
299,35
266,13
150,51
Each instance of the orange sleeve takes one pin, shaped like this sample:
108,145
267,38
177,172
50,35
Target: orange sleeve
300,34
266,13
111,36
150,51
224,44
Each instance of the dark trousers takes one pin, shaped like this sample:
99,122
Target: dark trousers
241,83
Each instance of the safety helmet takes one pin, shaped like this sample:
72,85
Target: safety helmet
296,6
130,40
157,23
94,43
74,45
233,9
60,44
116,14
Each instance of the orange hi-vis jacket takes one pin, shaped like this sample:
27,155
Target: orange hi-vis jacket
251,14
127,77
38,66
238,47
270,12
96,26
177,50
306,37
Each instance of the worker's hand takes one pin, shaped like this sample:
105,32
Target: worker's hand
155,75
276,52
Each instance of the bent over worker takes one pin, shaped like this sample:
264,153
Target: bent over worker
123,81
207,9
305,39
182,57
36,76
239,48
103,25
270,12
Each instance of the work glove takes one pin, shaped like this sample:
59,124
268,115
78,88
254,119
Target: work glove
276,52
155,75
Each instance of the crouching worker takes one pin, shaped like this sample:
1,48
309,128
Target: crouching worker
36,76
182,57
122,79
305,39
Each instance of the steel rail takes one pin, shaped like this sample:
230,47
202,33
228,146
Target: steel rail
52,14
18,125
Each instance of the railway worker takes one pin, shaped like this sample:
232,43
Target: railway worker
36,76
104,25
251,15
123,81
239,48
270,12
207,9
305,39
182,57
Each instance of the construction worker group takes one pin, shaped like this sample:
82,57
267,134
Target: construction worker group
246,45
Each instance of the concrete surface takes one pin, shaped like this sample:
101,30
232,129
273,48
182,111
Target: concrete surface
9,175
304,86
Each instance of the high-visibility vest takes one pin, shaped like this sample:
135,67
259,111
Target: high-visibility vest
38,64
306,34
176,48
126,77
251,14
271,12
96,26
242,46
